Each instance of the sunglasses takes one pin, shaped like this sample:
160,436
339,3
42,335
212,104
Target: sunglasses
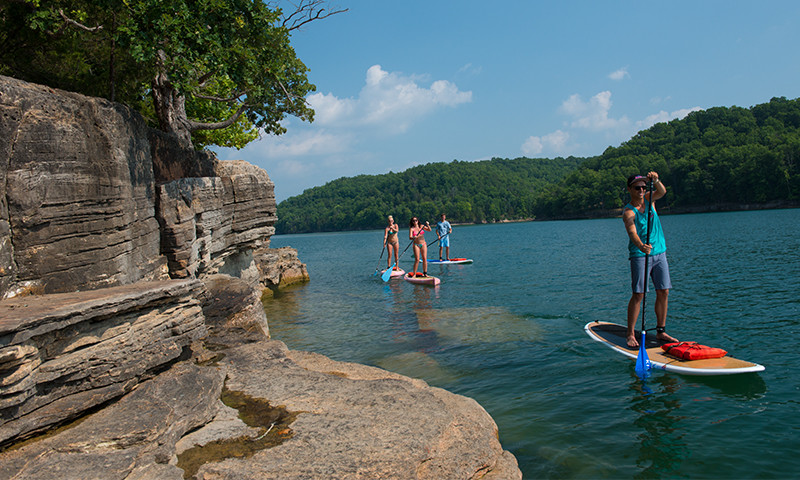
639,187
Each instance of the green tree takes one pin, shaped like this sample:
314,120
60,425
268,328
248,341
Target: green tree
205,64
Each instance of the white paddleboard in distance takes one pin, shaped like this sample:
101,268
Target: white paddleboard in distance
452,261
613,336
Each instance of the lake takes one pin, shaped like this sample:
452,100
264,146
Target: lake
507,331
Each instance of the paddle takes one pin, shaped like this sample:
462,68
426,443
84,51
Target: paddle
642,360
388,273
438,239
379,260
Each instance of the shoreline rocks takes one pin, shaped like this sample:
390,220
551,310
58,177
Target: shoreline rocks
131,272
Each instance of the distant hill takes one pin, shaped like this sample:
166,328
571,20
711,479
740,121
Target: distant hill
716,159
468,192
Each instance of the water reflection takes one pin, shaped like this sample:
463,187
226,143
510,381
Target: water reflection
662,449
748,386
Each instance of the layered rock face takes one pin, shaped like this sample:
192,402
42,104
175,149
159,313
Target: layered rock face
64,353
90,199
213,224
76,193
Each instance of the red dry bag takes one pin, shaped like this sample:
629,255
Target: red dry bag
692,351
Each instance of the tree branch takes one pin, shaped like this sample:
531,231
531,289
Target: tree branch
219,99
79,25
194,126
307,11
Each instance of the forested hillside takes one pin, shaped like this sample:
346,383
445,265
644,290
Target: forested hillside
467,192
718,158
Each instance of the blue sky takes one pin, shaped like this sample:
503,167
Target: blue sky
407,83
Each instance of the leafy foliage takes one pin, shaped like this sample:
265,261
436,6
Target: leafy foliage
467,192
214,62
712,158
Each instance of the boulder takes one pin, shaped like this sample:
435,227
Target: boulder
279,268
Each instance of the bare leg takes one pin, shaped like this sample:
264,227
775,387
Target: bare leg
424,252
633,314
662,297
440,250
416,258
448,252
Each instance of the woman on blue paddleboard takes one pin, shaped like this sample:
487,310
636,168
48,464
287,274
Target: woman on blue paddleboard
635,217
416,234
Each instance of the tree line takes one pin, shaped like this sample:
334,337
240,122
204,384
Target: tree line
468,192
718,158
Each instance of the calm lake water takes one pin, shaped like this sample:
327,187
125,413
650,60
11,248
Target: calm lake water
508,332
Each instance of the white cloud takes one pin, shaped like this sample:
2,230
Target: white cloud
620,74
555,142
592,115
300,143
532,146
663,116
329,110
657,100
389,101
470,69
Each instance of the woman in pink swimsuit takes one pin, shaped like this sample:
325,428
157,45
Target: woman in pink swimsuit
416,234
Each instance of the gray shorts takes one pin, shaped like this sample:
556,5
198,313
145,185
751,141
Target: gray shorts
659,272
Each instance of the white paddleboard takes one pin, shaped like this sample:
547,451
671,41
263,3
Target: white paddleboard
452,261
613,336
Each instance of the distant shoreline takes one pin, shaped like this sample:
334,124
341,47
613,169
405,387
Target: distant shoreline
617,212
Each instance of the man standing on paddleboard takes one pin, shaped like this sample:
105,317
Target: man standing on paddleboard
443,230
636,223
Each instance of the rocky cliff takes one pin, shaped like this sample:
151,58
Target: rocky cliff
131,272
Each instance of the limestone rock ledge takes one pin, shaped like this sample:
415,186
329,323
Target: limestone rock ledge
353,422
63,354
360,422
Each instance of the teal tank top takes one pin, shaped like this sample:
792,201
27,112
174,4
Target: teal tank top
656,234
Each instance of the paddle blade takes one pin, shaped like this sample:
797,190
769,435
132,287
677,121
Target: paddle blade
642,360
388,273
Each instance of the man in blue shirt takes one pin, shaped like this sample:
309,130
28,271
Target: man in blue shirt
443,230
635,215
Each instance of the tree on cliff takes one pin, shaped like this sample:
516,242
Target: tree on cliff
216,71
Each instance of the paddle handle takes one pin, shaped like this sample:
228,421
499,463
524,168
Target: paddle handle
648,211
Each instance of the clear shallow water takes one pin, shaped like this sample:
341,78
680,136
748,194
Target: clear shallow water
508,332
